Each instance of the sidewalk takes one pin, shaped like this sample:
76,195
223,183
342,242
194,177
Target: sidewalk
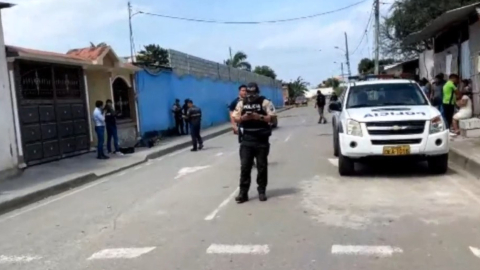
39,182
465,153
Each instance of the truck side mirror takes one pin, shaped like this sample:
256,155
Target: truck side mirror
335,106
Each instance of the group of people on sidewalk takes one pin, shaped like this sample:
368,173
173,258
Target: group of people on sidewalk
189,116
105,118
452,97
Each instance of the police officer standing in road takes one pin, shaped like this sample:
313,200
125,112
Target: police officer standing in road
254,113
194,116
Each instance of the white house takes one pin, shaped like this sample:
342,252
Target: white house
8,146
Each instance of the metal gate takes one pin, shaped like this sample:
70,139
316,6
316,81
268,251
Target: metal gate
52,110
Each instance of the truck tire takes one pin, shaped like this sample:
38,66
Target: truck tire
336,147
438,164
346,166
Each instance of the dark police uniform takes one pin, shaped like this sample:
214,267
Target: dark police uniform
194,116
177,114
255,142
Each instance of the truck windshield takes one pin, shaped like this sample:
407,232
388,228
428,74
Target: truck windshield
388,94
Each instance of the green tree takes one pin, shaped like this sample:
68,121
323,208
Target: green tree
367,66
409,16
297,88
330,82
153,55
239,61
265,71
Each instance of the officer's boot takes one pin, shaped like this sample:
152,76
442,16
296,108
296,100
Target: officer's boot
262,197
242,197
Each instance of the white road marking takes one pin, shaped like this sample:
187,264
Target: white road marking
138,168
68,194
18,259
381,251
475,251
148,163
219,154
288,138
333,161
122,173
188,170
238,249
120,253
464,190
212,215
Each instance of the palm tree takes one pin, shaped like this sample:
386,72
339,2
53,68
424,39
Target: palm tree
238,61
297,87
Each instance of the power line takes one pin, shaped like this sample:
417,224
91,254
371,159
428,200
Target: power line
364,33
250,22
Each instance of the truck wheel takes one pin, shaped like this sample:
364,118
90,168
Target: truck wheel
346,166
336,147
438,164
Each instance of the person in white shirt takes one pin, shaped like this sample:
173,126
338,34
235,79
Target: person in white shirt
99,120
465,112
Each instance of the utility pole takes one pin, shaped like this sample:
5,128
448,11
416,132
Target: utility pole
377,37
131,32
343,74
347,55
231,57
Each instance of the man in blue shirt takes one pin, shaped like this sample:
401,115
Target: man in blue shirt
99,120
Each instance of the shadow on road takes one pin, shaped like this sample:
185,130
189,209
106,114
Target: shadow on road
406,170
279,192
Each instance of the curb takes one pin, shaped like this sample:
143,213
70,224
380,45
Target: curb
463,162
38,195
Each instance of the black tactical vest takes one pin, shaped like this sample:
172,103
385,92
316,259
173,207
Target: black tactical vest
255,127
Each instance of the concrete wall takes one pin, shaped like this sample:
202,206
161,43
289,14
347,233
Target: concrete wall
397,71
157,93
474,34
426,65
8,145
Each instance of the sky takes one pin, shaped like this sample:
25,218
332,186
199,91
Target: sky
301,48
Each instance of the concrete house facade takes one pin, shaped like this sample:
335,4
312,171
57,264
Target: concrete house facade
54,96
8,143
456,45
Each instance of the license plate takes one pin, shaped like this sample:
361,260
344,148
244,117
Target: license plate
396,150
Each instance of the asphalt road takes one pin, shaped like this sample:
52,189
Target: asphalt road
177,212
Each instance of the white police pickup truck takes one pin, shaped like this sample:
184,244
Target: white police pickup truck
387,119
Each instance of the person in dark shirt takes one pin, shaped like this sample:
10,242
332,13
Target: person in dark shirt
111,125
185,109
320,106
194,115
177,114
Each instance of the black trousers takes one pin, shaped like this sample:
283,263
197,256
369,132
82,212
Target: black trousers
179,126
449,110
247,156
187,124
196,138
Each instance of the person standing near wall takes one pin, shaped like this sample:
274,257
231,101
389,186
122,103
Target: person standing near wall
449,98
177,115
111,124
99,120
185,110
254,114
194,116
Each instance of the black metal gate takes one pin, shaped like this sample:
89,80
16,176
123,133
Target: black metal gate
52,110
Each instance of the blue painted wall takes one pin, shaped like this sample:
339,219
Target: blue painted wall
157,93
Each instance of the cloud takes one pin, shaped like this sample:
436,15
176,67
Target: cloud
290,48
60,24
